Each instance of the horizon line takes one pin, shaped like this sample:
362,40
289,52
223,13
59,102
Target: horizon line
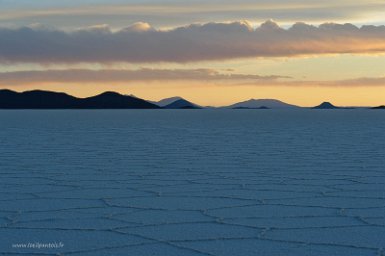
202,106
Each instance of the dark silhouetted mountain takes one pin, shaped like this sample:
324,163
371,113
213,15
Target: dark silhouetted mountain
326,105
113,100
262,103
182,104
53,100
36,99
379,107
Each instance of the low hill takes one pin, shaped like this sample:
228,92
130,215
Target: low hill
325,105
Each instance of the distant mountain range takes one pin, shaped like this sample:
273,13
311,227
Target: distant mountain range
182,104
53,100
176,103
38,99
262,104
165,102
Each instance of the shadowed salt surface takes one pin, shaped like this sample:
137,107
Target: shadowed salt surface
210,182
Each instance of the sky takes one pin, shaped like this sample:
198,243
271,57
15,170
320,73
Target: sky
211,52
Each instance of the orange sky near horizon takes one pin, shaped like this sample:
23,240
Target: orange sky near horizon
214,95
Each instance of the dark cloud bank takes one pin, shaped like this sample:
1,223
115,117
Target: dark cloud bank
141,43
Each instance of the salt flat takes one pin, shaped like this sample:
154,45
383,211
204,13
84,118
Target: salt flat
185,182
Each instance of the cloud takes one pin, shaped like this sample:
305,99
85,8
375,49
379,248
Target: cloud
113,76
118,13
138,27
141,43
355,82
202,76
